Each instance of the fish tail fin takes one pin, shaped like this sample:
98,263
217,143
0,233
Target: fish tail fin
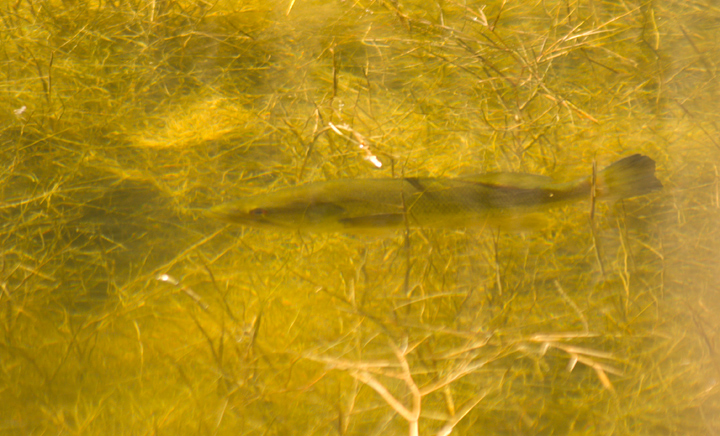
629,177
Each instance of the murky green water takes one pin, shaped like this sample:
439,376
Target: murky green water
126,311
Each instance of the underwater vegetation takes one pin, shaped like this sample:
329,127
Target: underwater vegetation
126,309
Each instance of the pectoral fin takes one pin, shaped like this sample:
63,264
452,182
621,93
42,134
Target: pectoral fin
373,221
320,212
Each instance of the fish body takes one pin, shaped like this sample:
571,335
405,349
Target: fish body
497,199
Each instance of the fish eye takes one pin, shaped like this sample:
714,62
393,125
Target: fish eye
258,211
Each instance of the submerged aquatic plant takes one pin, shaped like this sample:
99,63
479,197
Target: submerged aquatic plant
126,310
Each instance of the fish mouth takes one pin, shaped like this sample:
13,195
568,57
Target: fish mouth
217,213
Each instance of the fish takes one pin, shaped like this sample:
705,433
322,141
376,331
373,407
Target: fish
501,200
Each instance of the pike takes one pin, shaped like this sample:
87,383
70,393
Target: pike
503,200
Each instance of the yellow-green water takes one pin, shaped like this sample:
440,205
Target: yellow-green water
125,311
